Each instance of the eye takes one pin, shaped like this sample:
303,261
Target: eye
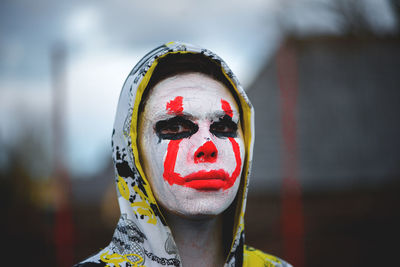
225,127
175,128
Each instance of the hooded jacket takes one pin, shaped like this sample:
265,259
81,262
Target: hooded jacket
142,236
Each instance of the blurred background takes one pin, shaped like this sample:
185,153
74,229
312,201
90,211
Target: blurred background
323,76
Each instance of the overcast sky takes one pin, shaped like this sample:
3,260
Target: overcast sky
105,39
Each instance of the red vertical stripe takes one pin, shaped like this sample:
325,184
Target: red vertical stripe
292,208
64,234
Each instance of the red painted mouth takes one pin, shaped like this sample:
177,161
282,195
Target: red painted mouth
207,175
201,180
207,180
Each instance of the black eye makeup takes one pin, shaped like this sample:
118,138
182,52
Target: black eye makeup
225,127
175,128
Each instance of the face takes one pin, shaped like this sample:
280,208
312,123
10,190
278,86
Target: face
191,145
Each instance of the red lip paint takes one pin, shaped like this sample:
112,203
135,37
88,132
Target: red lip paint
201,180
175,106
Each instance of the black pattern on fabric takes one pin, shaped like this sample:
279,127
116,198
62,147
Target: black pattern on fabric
157,212
235,258
239,251
162,261
128,239
125,171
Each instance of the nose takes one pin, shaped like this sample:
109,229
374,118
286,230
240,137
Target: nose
206,153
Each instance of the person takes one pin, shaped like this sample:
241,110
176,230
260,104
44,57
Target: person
182,148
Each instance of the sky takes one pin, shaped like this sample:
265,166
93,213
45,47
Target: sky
103,40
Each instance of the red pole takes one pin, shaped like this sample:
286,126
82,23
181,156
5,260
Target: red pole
63,225
292,208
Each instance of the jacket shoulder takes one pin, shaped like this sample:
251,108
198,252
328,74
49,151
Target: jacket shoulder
254,257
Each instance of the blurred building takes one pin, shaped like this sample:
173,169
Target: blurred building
347,111
346,108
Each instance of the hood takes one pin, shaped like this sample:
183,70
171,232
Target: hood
142,236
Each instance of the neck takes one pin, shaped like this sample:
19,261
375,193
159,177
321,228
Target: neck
199,242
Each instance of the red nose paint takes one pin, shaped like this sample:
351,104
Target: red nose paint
201,180
226,108
206,153
175,106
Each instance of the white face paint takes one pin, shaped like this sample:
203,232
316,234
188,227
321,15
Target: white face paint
191,144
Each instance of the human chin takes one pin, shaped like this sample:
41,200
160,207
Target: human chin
189,202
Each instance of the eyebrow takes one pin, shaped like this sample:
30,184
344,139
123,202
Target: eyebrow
221,114
164,115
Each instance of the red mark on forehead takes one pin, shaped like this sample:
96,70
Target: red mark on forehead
175,106
226,108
